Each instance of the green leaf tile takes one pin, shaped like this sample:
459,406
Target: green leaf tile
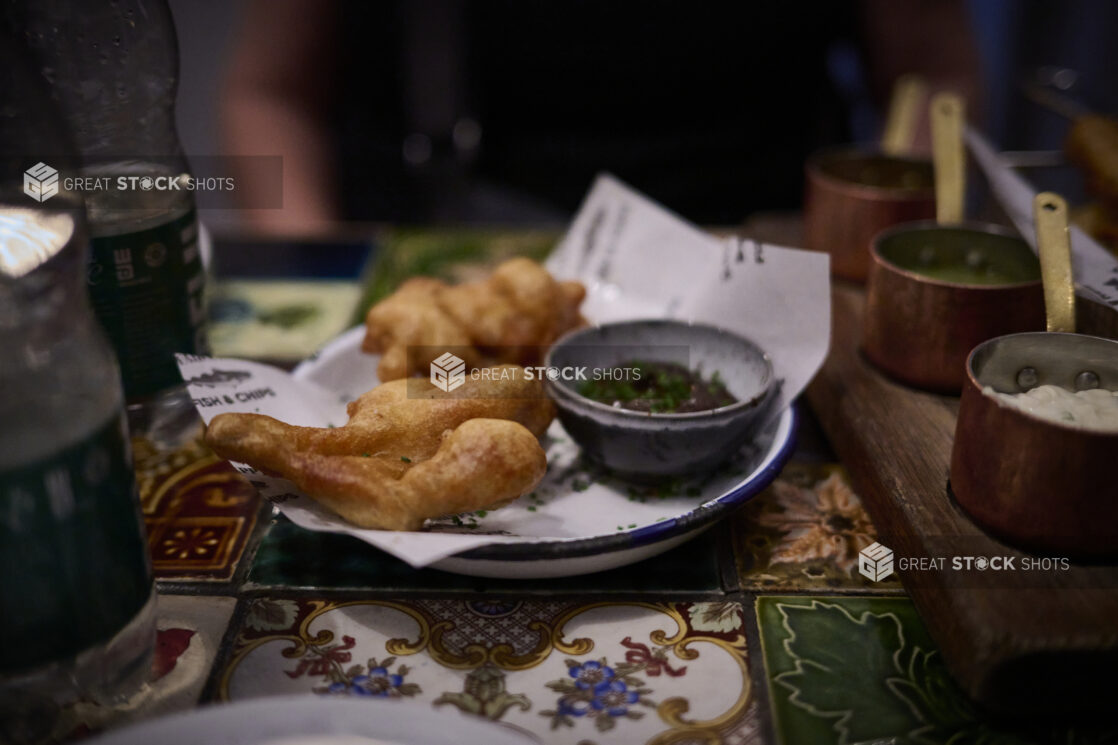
863,669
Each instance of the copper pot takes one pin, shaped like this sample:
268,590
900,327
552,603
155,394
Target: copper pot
851,195
919,329
1038,483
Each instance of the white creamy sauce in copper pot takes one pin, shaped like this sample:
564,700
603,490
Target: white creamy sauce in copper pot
1095,409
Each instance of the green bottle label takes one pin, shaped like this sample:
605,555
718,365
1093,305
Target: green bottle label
74,566
146,288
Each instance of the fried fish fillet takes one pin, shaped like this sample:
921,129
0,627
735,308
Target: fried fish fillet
518,311
1092,144
483,463
412,317
406,455
509,317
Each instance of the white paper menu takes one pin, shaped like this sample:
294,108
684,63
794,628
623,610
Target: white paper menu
622,244
637,260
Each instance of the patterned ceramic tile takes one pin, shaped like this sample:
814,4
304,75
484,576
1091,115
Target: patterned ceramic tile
290,556
804,533
282,321
199,512
189,634
570,673
863,669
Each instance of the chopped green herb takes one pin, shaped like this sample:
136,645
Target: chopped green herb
531,508
671,488
658,387
405,459
365,455
481,513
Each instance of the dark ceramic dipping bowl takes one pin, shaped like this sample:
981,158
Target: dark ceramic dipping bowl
644,446
853,194
936,291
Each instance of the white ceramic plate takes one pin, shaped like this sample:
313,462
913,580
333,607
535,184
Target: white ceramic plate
579,519
306,719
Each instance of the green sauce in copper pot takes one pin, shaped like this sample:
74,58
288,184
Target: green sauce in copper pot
963,256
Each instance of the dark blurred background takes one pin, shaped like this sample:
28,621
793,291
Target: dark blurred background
380,66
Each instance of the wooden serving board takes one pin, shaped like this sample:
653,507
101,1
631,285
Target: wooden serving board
1042,642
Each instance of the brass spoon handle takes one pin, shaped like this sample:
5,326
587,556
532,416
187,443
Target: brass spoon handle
904,107
1050,212
948,156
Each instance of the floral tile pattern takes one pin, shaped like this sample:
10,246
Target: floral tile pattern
804,533
198,511
289,556
863,669
571,673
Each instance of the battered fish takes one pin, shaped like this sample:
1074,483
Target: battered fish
509,317
412,317
409,451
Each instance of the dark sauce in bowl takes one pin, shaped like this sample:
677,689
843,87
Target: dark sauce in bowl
658,388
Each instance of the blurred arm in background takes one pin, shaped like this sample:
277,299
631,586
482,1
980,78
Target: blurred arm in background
275,100
279,93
